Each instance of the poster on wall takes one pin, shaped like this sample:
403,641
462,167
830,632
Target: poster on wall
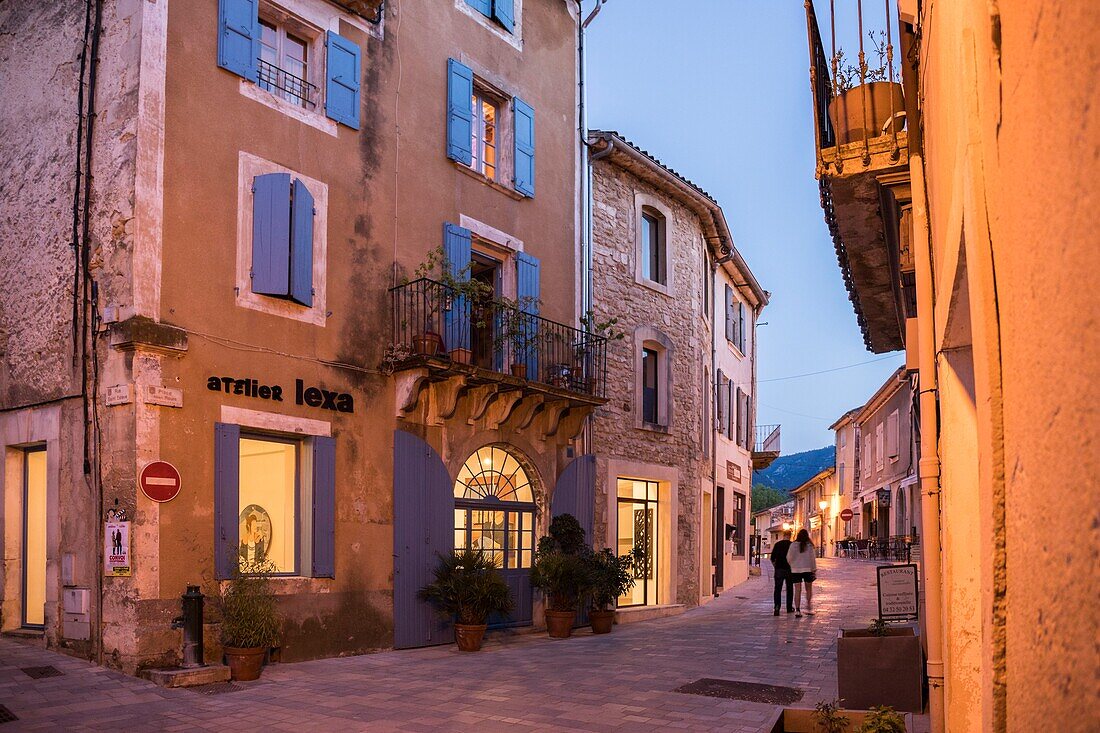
116,549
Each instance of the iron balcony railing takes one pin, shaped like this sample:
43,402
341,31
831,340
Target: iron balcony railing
434,320
282,83
766,439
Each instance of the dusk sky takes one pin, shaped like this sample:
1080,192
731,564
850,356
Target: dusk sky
718,90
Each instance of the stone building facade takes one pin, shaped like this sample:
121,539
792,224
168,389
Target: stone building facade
657,242
207,221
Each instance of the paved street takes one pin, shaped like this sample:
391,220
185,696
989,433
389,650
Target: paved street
623,681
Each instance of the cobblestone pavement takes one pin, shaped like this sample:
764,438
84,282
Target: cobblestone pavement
623,681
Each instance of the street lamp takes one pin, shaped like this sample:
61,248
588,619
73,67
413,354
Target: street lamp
822,505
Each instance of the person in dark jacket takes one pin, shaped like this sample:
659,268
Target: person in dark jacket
782,574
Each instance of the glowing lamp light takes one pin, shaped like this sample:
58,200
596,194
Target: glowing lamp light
822,505
786,526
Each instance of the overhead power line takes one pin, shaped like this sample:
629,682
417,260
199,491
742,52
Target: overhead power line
825,371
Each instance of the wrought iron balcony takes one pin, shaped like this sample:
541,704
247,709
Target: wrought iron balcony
282,83
765,446
437,326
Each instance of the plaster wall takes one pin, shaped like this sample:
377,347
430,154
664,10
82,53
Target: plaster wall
641,310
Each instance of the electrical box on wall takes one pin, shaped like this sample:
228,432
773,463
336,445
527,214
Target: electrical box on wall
75,620
75,600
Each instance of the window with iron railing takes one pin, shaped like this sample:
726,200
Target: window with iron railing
284,65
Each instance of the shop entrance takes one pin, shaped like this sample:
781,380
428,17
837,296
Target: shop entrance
495,515
34,538
638,526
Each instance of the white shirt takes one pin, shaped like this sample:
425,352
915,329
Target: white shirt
802,562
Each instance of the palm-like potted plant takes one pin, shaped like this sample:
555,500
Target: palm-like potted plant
865,101
612,577
250,619
468,588
563,570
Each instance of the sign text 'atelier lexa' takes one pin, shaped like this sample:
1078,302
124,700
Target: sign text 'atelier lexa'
303,395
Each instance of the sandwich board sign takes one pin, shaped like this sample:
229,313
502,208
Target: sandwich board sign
898,596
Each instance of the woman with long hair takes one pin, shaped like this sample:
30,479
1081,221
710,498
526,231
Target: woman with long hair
802,557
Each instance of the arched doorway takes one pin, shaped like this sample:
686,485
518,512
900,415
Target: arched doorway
495,514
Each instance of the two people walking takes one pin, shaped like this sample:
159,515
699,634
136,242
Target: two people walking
795,564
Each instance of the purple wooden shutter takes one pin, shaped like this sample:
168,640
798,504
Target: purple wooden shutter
423,528
722,390
457,255
271,234
227,476
324,507
575,492
301,245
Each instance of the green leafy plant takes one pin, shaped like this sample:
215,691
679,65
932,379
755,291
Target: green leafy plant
883,719
829,718
458,288
878,628
250,616
468,587
562,567
607,329
612,576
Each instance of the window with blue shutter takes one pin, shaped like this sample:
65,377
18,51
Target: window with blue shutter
271,234
731,336
239,37
282,238
527,293
460,112
301,245
324,507
524,124
741,327
227,439
342,80
485,7
504,12
457,255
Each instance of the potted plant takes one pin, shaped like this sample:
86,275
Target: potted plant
517,329
447,291
831,717
883,719
250,620
562,570
864,100
880,665
585,351
469,588
612,577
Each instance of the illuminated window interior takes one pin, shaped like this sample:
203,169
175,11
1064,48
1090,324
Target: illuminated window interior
34,536
484,142
637,515
494,508
267,505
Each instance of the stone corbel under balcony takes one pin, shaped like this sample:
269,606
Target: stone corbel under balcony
139,333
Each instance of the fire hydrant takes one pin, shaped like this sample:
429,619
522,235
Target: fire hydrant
191,623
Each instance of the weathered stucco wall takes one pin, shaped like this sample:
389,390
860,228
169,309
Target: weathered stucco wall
677,316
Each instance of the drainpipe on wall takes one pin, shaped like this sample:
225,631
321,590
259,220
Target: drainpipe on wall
929,460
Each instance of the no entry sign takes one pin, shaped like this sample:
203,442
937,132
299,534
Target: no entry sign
160,481
846,514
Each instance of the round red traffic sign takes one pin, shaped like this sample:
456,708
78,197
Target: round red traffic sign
846,514
160,481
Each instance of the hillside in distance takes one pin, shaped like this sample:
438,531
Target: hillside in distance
789,472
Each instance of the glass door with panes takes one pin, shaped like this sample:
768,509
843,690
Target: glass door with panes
638,523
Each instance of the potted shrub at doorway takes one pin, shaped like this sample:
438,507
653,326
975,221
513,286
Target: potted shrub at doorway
830,717
469,588
250,620
612,577
880,665
562,570
864,99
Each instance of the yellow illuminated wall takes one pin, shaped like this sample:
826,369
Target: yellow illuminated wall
268,511
34,553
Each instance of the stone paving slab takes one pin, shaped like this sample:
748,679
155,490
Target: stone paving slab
623,681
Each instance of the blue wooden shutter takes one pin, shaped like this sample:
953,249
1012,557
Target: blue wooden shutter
527,293
324,507
239,37
301,245
227,477
456,255
524,123
460,112
271,234
485,7
342,80
504,12
730,336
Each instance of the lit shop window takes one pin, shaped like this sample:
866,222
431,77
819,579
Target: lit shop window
267,504
495,508
34,537
638,523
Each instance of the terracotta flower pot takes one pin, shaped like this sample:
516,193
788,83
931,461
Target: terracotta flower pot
428,343
469,636
602,621
245,664
462,356
519,370
560,623
883,99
